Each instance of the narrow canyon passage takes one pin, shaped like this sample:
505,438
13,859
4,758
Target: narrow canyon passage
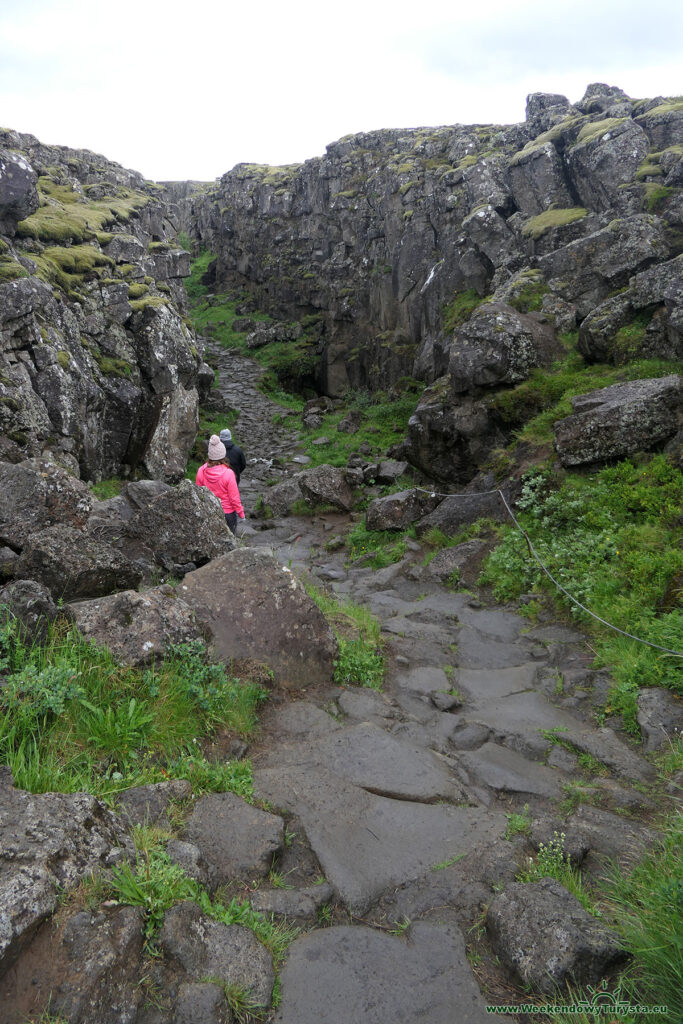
403,797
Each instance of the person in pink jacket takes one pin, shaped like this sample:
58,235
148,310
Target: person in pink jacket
220,479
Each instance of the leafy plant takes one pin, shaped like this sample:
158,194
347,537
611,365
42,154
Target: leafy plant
518,824
552,862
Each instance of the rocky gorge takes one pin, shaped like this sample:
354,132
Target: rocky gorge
372,853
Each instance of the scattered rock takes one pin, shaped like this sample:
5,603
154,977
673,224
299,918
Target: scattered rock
254,607
234,838
137,627
543,933
229,954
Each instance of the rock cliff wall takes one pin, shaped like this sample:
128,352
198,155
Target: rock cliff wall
98,366
461,255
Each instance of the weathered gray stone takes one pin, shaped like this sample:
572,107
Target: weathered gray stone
200,1003
205,948
452,513
181,525
137,627
36,494
367,756
279,499
296,905
32,606
72,564
256,608
147,805
18,192
326,485
168,450
607,160
86,970
660,716
189,858
234,837
358,974
620,420
456,559
400,510
508,772
50,842
498,346
543,933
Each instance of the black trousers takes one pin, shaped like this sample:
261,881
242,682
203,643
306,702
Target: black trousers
231,520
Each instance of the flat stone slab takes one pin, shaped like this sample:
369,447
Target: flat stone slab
478,650
506,771
606,746
481,686
359,975
234,837
364,704
305,719
367,843
367,756
426,680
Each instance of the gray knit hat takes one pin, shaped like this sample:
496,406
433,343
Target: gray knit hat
216,448
225,435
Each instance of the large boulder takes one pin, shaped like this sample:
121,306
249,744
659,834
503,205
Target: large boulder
538,180
254,607
168,450
543,933
605,159
50,842
618,421
326,485
137,628
74,565
280,499
498,346
32,606
586,271
545,109
18,192
458,510
36,494
181,525
400,510
448,441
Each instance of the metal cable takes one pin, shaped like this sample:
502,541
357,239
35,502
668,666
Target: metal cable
435,494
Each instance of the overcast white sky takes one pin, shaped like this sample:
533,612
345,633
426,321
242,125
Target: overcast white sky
188,89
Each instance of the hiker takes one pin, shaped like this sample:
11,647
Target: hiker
220,480
235,454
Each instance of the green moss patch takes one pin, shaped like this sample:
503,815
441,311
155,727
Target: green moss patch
596,128
11,269
459,309
554,218
64,215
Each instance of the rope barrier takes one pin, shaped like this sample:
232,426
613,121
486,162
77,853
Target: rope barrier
532,550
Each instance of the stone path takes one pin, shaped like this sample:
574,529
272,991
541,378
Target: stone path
403,796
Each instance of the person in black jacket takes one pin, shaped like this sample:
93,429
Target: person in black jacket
234,454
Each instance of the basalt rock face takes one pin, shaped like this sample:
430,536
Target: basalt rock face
97,364
430,252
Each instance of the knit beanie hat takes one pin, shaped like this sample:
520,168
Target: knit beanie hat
225,435
216,448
